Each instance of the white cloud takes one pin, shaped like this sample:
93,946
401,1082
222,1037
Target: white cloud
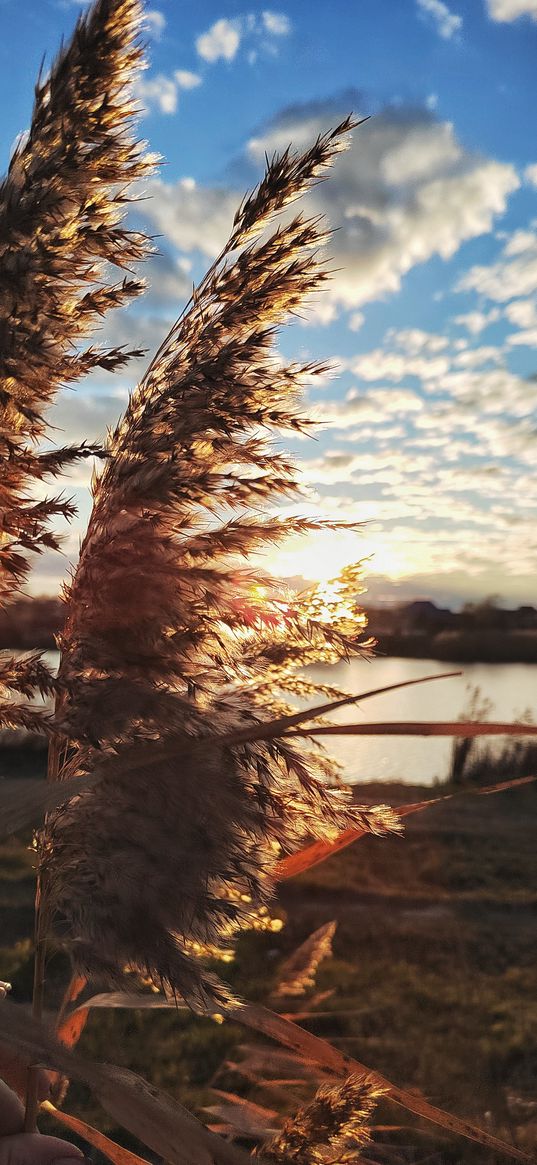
376,466
440,465
374,407
155,22
522,312
490,391
356,321
476,357
224,38
512,276
447,23
169,284
220,42
476,321
162,92
519,241
276,23
405,352
86,416
528,338
187,80
406,190
509,10
414,341
530,174
159,92
380,364
190,216
317,311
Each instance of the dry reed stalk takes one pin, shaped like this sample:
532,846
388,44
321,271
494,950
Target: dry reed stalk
168,639
62,203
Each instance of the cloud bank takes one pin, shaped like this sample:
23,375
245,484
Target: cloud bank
405,191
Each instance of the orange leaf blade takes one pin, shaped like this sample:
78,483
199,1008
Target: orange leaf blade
115,1153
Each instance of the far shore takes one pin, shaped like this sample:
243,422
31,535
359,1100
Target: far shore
447,646
461,647
481,632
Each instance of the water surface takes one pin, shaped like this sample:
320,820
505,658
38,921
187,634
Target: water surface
511,689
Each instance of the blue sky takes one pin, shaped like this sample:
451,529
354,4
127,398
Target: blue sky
431,421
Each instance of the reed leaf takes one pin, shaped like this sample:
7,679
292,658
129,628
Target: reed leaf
422,728
24,803
318,851
158,1120
115,1153
245,1118
132,1000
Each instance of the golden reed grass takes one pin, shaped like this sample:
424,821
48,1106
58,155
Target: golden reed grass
61,235
167,636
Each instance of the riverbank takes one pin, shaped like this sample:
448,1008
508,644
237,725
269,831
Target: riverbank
462,647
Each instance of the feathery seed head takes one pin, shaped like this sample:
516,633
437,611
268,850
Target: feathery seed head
169,638
333,1127
61,233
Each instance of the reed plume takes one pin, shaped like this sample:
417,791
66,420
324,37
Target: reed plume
61,237
297,973
169,638
333,1127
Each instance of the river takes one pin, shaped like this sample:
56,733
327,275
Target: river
511,689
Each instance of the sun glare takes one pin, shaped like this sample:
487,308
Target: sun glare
324,555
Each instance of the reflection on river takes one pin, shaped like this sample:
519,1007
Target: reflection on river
511,688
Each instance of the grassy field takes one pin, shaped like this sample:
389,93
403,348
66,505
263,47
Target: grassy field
433,978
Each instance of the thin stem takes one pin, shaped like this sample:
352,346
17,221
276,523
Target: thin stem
55,756
32,1090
